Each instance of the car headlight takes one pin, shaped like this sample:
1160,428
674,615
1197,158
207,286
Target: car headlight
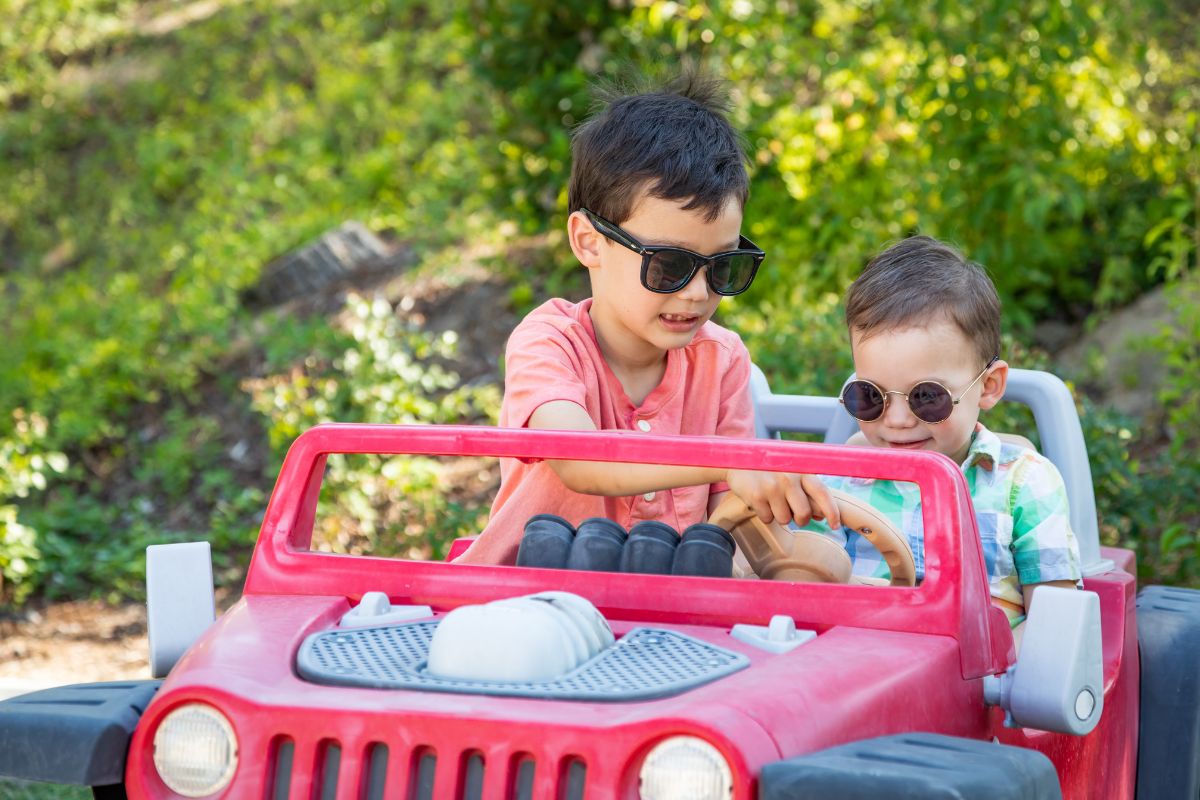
685,768
195,750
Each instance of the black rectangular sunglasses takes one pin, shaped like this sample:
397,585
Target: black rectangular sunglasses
668,269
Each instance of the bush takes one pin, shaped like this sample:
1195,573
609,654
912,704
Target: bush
383,372
1177,476
1047,139
143,194
150,175
24,467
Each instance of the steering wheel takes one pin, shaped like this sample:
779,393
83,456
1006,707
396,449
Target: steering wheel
782,554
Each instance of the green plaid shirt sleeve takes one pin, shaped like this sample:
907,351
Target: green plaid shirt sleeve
1044,547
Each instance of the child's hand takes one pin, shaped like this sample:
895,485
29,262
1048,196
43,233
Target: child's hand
784,496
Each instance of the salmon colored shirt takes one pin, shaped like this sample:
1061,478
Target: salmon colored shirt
553,355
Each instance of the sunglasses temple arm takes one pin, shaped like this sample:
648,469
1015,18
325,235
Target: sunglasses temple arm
977,377
613,232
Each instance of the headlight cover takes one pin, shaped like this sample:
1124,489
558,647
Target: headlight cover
685,768
195,750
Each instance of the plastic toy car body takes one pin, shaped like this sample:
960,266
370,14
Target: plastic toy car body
895,689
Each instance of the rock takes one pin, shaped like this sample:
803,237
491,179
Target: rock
1053,335
1116,361
349,255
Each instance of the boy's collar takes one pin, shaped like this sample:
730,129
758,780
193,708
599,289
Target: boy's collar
986,449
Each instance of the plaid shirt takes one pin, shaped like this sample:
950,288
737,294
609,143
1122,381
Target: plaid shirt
1020,506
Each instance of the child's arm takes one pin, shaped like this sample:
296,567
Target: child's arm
1045,550
773,495
1027,590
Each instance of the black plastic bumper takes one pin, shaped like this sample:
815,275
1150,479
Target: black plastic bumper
915,766
75,734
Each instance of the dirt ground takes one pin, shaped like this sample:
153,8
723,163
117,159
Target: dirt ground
77,641
72,642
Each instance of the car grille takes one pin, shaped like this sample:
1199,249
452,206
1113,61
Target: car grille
379,772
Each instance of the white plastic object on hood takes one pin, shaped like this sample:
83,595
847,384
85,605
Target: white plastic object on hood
589,619
517,640
780,636
376,609
554,616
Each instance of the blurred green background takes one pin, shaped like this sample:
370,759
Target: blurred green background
154,157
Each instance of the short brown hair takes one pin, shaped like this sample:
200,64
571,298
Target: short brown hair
921,279
671,140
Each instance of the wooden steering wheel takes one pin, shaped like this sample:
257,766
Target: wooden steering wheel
782,554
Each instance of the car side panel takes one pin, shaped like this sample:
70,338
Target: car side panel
1102,764
855,684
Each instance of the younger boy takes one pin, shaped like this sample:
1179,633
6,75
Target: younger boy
658,184
924,328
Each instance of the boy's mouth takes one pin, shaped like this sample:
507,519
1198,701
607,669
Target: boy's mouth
679,322
910,445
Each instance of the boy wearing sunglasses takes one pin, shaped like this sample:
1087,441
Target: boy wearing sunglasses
924,328
658,184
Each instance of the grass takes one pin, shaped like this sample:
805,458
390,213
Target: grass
24,790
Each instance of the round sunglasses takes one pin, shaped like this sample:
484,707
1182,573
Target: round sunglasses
668,269
929,401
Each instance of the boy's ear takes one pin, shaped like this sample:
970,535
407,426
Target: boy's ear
994,384
585,240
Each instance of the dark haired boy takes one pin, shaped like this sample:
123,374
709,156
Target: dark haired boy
658,184
924,328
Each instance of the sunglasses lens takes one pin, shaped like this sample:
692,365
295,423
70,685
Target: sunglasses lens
731,274
930,402
863,401
668,271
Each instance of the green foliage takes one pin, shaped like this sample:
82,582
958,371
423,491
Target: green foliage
1178,506
1180,344
1044,138
89,544
25,790
24,467
1016,130
153,164
1147,494
383,372
539,55
1149,503
146,182
798,339
180,183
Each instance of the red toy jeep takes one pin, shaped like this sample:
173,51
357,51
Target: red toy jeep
321,682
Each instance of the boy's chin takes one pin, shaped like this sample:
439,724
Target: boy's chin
674,342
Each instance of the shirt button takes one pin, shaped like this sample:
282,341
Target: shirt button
644,425
648,496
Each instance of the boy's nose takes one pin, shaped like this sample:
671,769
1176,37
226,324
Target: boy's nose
697,287
896,413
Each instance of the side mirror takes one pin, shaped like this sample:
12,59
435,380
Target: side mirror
179,600
1057,683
